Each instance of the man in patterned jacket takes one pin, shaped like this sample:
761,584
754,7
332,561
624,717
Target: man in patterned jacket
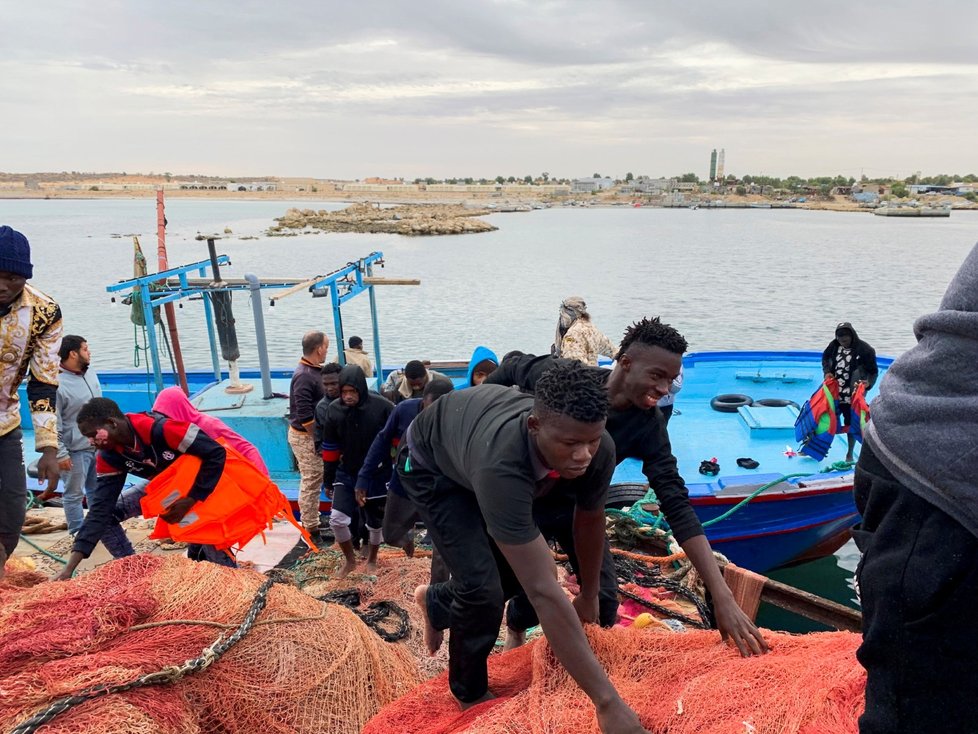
30,335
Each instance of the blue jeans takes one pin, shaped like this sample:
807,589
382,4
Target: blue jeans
78,480
118,544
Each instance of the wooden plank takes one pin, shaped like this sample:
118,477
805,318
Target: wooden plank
373,280
298,284
811,606
303,286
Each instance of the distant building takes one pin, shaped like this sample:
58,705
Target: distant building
957,189
713,165
588,185
646,185
252,186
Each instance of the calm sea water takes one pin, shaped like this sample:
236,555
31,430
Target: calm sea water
739,279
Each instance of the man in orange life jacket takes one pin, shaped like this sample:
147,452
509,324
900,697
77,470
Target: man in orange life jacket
143,444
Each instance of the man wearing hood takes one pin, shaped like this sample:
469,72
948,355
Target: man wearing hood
917,490
850,361
482,364
578,338
349,428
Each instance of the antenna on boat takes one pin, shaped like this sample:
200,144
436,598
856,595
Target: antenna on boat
224,318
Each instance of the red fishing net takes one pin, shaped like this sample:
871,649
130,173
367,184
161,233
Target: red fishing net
304,667
678,683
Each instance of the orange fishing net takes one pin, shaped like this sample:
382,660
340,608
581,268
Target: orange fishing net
396,579
681,683
304,667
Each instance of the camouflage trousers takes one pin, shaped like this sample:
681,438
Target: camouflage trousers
310,463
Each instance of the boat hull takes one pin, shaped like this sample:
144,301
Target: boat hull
799,518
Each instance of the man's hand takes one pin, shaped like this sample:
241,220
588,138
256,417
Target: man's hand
361,495
176,512
618,718
586,608
65,464
736,626
64,575
47,468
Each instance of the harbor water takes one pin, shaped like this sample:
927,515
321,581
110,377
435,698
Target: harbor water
727,279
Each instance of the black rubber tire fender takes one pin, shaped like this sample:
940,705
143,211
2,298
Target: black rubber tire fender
730,402
624,495
777,403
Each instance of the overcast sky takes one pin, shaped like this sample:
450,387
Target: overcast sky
456,88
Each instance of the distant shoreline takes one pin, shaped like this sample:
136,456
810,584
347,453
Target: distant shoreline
729,201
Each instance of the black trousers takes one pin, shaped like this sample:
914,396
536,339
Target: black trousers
13,489
555,518
918,582
470,604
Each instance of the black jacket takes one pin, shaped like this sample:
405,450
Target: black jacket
863,358
348,432
638,434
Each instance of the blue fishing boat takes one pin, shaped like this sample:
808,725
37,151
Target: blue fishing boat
734,405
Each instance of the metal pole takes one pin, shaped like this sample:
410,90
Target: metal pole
171,316
337,323
212,251
154,349
266,374
211,335
378,369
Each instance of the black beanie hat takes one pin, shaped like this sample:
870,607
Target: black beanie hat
15,253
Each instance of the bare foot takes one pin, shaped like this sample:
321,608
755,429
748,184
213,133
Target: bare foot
432,637
487,696
409,548
348,568
372,567
514,639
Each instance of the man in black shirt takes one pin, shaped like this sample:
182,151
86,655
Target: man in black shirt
648,360
473,464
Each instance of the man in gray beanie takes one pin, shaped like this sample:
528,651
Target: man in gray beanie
30,335
916,485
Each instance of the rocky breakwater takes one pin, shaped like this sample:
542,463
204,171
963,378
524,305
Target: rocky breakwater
413,220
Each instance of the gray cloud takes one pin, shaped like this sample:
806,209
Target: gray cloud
439,87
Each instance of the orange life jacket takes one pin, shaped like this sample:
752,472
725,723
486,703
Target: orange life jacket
243,504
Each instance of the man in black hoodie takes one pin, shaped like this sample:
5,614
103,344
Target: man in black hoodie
350,425
850,361
917,490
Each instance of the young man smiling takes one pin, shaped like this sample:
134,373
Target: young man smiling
648,360
472,464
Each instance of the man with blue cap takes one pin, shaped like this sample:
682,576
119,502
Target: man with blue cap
30,336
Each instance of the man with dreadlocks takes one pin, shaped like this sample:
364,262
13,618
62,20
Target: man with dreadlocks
648,360
473,463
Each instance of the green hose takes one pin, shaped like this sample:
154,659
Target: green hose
31,502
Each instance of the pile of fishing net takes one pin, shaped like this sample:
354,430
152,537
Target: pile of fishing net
393,586
304,666
679,683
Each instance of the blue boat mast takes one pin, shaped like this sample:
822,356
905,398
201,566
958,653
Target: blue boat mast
173,284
